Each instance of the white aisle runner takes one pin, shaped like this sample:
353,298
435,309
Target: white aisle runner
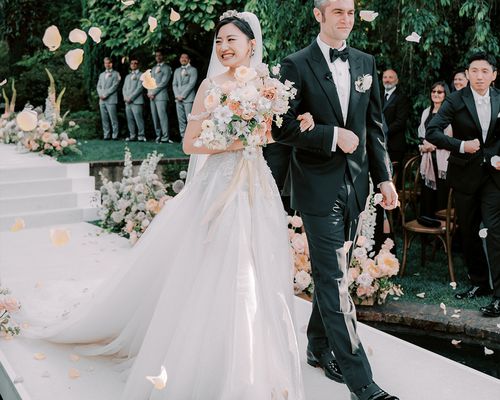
28,258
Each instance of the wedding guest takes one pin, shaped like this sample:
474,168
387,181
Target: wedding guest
396,111
134,102
434,164
460,80
159,98
473,114
107,89
183,84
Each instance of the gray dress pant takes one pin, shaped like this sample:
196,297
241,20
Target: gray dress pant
108,113
160,119
135,121
183,110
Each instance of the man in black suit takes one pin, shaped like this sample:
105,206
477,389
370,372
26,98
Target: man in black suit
396,111
473,113
329,172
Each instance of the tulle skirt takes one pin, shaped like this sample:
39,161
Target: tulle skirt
207,293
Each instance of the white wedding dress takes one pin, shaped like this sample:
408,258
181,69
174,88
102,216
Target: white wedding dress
207,293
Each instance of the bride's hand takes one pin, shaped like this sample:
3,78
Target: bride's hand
306,122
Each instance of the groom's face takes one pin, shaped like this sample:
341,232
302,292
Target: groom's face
336,18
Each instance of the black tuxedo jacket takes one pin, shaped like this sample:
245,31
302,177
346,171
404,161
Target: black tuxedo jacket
396,113
459,109
317,173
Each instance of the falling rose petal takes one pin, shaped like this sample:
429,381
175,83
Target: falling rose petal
74,357
377,198
127,3
3,82
73,373
148,81
25,325
159,381
52,38
488,352
59,237
453,285
74,58
77,36
494,160
347,246
455,316
95,33
153,23
18,225
483,233
442,306
421,295
456,342
27,120
174,15
38,285
39,356
124,59
368,16
414,37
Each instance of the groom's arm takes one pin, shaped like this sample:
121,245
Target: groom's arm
378,158
320,138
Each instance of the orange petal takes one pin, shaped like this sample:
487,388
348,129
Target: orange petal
52,38
59,237
18,225
174,15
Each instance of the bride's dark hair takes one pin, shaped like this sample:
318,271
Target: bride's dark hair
241,24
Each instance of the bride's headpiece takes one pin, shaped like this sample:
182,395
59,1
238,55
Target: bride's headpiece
231,14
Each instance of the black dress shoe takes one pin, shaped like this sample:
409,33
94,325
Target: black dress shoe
492,309
378,395
473,292
328,363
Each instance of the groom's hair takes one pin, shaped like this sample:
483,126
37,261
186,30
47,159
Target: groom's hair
321,5
482,56
241,24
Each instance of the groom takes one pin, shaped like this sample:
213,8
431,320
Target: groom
329,171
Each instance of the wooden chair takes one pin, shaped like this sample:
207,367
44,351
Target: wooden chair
412,228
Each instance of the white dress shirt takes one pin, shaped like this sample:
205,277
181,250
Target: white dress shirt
483,109
342,79
388,93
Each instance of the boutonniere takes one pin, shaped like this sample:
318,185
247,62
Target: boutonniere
134,78
158,69
363,83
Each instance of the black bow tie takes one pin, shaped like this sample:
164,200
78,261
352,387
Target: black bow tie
343,54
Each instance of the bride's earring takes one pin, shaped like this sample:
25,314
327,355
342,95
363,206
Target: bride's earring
253,52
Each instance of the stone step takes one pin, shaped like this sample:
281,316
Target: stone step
43,171
27,204
46,186
50,217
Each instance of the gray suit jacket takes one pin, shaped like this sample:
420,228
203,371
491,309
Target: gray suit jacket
107,86
162,75
132,88
184,83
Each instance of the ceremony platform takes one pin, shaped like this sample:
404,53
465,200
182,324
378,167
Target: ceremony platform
28,259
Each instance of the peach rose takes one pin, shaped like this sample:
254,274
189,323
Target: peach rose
71,141
11,304
247,116
47,137
353,274
298,243
296,221
234,106
244,74
153,206
129,227
211,102
268,92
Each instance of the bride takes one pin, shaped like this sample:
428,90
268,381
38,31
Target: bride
212,273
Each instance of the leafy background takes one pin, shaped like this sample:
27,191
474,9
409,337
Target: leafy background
449,29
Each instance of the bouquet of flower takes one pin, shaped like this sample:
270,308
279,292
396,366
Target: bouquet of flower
369,273
129,206
8,306
245,108
302,279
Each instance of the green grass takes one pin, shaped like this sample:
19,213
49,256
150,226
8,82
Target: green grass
100,150
432,278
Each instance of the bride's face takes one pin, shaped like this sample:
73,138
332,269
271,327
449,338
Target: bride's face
233,47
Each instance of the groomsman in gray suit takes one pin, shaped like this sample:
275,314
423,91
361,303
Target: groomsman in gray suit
158,97
183,84
134,102
107,89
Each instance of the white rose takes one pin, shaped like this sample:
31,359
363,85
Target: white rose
276,69
364,280
302,280
262,70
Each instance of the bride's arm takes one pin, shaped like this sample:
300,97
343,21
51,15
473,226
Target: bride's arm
193,128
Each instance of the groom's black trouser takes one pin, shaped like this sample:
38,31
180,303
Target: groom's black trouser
333,320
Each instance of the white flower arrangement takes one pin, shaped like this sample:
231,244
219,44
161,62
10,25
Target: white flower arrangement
8,306
244,109
363,83
129,206
302,273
